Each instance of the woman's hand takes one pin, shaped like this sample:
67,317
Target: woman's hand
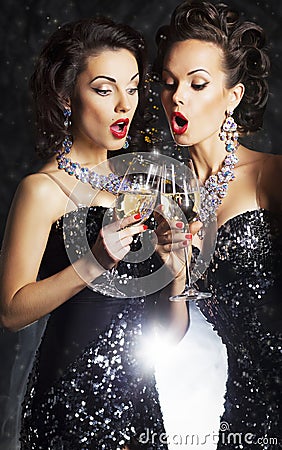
172,241
113,241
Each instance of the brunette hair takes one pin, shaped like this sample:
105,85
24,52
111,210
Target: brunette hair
61,61
244,52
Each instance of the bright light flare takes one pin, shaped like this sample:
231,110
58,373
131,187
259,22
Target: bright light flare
157,348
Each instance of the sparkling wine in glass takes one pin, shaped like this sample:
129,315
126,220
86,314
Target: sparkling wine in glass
139,190
137,194
180,197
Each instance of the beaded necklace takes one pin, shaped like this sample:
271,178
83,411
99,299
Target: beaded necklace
110,183
216,185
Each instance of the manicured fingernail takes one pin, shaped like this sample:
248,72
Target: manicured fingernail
179,224
184,243
189,236
137,216
145,227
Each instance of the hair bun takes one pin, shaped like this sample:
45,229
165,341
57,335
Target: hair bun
255,63
252,35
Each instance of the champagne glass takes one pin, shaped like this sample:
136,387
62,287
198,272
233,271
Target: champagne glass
139,189
137,194
106,284
180,197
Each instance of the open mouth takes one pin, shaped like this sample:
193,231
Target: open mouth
119,128
179,123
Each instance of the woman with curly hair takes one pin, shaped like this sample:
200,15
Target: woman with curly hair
88,388
213,67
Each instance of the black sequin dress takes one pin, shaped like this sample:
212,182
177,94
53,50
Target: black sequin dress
245,277
88,389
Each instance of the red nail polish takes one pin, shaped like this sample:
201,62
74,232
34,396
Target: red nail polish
179,224
137,216
189,236
145,227
184,243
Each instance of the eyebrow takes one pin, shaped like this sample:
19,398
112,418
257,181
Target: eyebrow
189,73
105,77
197,70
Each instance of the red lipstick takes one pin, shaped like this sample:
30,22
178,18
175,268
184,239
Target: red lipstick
119,128
179,123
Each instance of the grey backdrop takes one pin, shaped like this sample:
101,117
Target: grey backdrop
24,26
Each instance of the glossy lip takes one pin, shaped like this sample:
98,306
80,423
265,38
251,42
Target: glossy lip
120,130
175,127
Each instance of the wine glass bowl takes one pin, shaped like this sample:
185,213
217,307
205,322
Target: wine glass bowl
177,204
139,190
180,198
137,194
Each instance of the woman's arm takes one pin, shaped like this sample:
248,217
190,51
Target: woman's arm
173,316
24,300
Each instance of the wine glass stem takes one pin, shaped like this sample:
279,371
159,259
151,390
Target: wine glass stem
188,275
110,275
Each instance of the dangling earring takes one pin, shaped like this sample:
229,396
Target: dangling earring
217,184
229,133
126,144
67,114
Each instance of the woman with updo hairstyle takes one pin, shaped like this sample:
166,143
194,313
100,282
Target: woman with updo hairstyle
213,67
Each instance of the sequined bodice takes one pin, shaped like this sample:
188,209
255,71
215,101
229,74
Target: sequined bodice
246,310
88,389
79,320
245,276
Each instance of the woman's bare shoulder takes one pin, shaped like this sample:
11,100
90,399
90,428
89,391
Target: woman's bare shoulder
271,181
276,160
272,166
261,162
37,190
38,185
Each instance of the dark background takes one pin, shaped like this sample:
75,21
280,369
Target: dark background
24,27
